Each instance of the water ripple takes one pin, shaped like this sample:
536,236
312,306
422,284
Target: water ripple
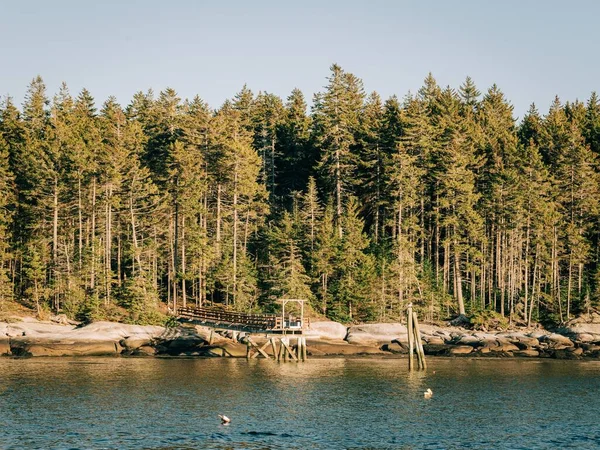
329,403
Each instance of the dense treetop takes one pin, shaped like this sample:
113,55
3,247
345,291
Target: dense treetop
360,205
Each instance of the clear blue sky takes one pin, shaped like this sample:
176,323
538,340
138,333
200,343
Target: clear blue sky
533,50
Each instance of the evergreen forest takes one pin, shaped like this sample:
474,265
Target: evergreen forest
358,204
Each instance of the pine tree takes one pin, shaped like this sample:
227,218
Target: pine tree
268,115
7,207
297,155
289,276
372,163
355,270
336,115
592,123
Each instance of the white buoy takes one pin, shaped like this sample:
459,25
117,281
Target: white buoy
224,419
428,393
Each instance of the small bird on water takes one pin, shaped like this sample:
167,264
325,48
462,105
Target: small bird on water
428,393
224,419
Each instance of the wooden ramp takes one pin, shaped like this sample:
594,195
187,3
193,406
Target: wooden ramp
232,320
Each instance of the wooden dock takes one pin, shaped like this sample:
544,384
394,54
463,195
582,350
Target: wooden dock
233,320
284,324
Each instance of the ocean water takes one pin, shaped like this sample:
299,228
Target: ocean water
152,403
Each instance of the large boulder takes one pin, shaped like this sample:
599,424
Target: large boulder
144,350
374,334
112,330
469,340
437,349
133,343
326,329
394,347
434,340
36,346
460,350
556,341
32,327
584,332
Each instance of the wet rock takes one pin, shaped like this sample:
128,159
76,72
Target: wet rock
563,354
434,340
340,348
34,346
144,350
527,353
461,350
506,348
394,347
590,347
525,342
437,349
133,343
183,344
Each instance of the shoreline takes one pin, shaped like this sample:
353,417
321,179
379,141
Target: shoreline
33,338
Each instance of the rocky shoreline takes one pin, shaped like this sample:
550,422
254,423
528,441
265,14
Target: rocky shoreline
29,337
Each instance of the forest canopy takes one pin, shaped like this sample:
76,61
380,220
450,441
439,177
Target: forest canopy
358,204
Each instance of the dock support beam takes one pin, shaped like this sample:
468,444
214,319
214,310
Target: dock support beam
283,352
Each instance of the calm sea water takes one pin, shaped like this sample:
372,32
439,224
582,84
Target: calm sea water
119,403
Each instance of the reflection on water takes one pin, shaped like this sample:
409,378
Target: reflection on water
326,403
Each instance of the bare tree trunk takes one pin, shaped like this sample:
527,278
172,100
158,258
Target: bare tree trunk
107,243
93,237
218,230
183,287
136,247
176,252
172,286
55,245
338,192
556,273
80,214
569,284
458,280
235,231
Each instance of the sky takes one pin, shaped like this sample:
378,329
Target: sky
533,50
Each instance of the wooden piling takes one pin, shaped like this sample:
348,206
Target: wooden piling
274,347
304,352
299,348
409,317
418,341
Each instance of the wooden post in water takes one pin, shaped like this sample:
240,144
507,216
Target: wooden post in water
410,333
419,342
274,347
299,348
304,352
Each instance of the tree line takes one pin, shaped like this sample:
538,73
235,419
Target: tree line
359,205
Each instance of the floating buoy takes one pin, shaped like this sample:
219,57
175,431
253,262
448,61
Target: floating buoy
428,393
